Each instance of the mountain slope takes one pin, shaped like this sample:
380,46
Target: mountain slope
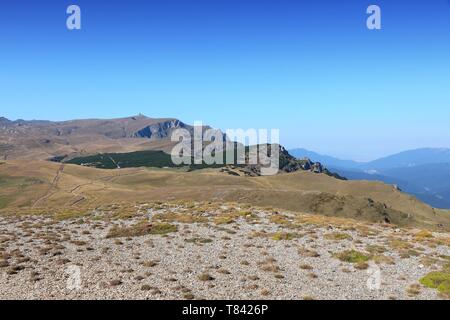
45,139
52,185
410,158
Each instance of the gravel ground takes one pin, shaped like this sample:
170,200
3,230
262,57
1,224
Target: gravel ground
248,257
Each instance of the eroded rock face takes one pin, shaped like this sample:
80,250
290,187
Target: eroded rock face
288,163
88,135
317,167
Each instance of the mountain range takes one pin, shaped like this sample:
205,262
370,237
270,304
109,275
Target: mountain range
135,149
43,140
424,173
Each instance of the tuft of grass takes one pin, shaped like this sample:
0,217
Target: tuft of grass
269,265
205,277
279,219
283,236
352,256
373,249
439,280
141,229
15,269
408,254
413,290
198,240
223,271
188,296
180,217
70,215
362,265
423,234
115,283
382,259
337,236
400,245
4,263
265,292
308,253
306,267
150,263
223,219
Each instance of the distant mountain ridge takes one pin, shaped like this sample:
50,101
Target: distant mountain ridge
424,173
135,126
408,158
134,140
330,161
411,158
41,139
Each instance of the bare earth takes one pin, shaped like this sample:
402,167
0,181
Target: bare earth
213,251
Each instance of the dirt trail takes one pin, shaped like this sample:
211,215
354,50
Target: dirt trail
53,185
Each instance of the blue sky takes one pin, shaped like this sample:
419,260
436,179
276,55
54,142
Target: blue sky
310,68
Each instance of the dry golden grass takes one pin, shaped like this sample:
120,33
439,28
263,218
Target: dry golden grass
180,217
382,259
205,277
141,229
283,236
308,252
337,236
223,219
150,263
269,265
198,240
280,220
306,267
87,188
413,290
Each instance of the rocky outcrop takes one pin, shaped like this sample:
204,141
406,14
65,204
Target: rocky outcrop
160,130
288,163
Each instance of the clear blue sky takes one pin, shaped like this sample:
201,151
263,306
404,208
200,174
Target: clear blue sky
310,68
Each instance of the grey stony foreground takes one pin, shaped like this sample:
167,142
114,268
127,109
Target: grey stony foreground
223,252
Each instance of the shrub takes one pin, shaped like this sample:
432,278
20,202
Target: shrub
337,236
283,236
437,280
352,256
141,229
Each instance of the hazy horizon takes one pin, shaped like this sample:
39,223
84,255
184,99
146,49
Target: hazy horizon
309,68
